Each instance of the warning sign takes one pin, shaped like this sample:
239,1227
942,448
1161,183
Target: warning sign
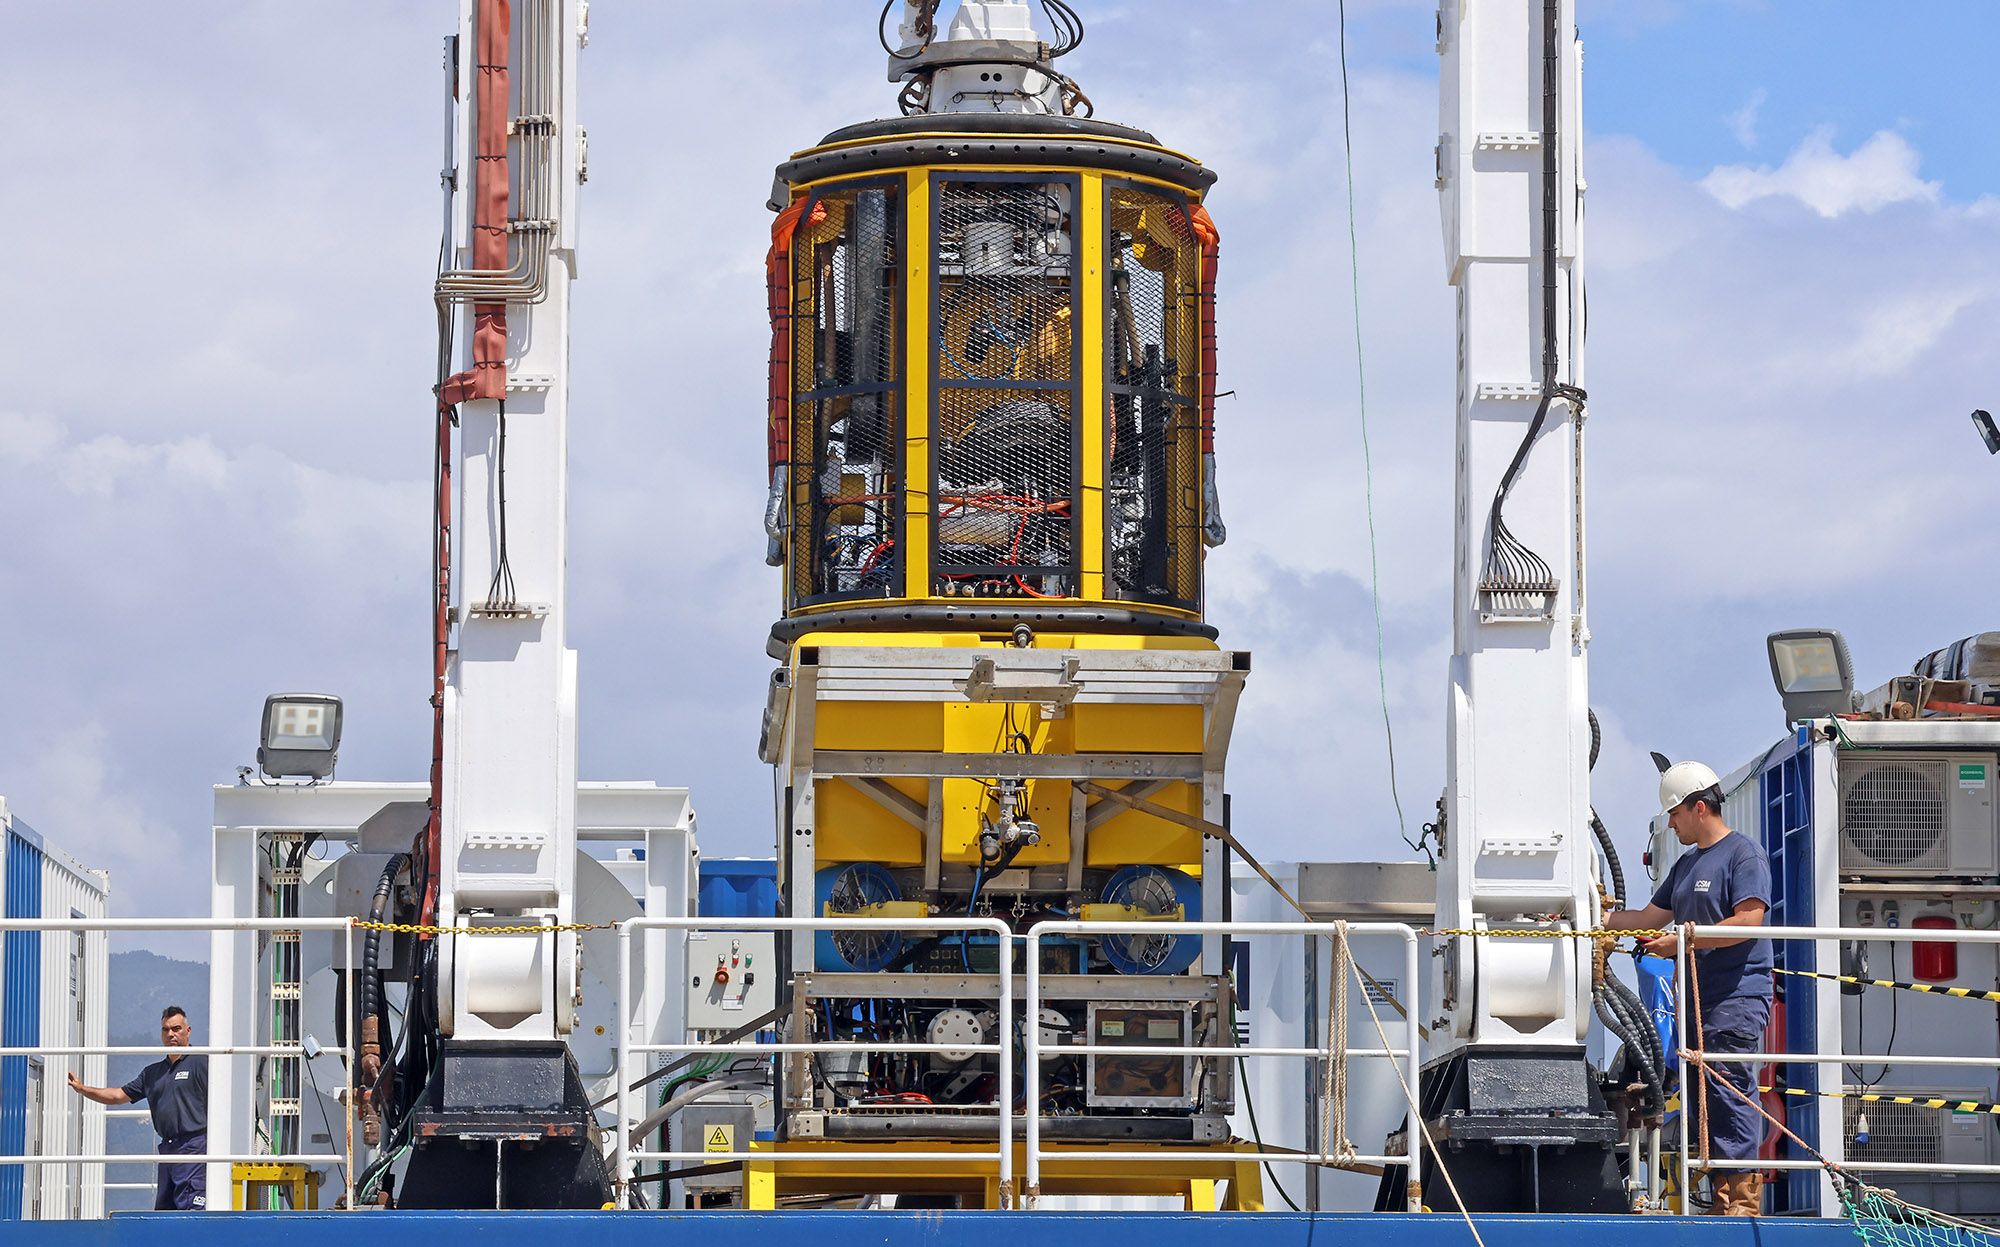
720,1139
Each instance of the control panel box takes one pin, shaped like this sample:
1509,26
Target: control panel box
732,978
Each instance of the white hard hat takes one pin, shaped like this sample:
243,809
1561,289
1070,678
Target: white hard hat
1683,780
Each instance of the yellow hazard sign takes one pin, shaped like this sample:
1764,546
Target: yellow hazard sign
720,1139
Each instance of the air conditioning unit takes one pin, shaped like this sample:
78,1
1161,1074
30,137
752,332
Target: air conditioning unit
1918,814
1915,1134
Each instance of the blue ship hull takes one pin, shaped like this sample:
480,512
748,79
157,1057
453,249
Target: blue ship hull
920,1229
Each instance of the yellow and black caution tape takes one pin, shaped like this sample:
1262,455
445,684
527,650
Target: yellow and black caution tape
1877,1097
1963,993
418,928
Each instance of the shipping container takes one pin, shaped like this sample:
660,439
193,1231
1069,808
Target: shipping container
52,995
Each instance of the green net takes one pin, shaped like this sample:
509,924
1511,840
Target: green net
1884,1220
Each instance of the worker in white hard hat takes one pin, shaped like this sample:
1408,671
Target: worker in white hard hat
1724,879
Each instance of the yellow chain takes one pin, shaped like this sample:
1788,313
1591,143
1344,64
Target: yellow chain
417,928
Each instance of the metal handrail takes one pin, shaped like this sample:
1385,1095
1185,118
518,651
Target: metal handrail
1408,1053
624,1155
344,926
1816,934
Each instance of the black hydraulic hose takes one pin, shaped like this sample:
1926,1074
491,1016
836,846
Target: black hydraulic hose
1598,828
1611,861
1630,1031
1510,562
371,956
1642,1015
1650,1053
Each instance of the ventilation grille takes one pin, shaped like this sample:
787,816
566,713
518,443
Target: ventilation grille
1897,1134
1894,814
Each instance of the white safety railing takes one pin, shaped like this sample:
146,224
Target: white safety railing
624,1156
1409,1053
342,927
1688,1161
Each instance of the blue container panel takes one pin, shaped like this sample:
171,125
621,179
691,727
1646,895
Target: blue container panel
737,888
1786,789
20,1011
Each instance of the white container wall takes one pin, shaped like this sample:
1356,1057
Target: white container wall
53,988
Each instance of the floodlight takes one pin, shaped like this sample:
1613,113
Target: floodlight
1813,673
1988,431
301,736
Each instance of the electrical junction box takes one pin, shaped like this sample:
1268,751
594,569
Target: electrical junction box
716,1127
732,978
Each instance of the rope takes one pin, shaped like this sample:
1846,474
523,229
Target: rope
1417,1122
1864,1204
1367,456
1333,1071
1963,993
1694,1003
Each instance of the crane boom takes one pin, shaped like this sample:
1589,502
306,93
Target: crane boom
1517,850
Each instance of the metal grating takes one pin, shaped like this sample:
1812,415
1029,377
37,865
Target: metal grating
1893,814
1005,430
1897,1134
1152,376
846,420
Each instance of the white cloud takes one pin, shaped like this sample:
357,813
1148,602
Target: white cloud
1743,122
1880,172
1762,445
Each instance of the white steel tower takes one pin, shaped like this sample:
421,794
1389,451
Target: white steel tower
1515,825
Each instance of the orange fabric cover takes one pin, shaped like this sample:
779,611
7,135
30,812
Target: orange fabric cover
1211,255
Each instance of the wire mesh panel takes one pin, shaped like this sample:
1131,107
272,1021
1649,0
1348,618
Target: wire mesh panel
1892,813
1152,376
846,411
1005,440
1897,1133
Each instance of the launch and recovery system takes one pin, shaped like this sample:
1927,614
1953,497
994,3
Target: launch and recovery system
992,488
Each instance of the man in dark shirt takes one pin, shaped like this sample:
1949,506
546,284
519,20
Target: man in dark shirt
1723,880
176,1089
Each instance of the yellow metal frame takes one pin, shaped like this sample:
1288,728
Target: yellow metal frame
250,1180
853,827
1224,1182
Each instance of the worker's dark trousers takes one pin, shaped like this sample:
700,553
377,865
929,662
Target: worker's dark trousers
182,1188
1735,1127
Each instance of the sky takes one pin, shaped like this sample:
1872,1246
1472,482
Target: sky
215,440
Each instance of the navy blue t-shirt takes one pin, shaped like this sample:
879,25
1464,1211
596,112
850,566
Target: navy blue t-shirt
1705,886
177,1092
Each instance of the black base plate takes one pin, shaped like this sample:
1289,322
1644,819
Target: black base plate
506,1126
1521,1131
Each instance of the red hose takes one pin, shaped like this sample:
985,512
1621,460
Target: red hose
487,378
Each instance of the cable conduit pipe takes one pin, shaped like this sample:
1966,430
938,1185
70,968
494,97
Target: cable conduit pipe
526,279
